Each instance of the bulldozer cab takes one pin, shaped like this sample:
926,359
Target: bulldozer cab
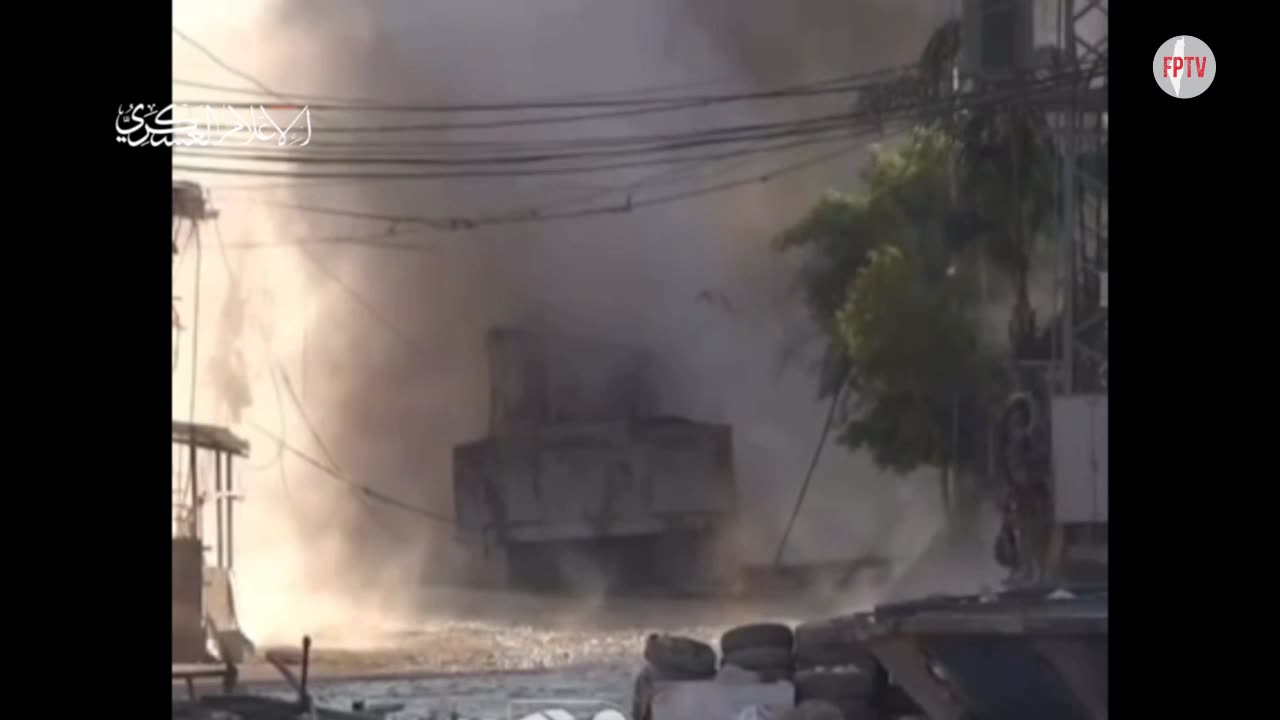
203,493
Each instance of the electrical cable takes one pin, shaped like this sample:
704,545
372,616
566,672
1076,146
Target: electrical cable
836,85
488,173
833,129
311,428
547,150
594,191
330,466
220,63
368,307
972,100
335,471
688,166
351,99
649,106
532,172
517,122
388,241
234,277
527,212
363,491
808,476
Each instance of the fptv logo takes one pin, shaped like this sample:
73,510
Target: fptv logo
1184,67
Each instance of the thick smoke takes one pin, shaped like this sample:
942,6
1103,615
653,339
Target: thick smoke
392,375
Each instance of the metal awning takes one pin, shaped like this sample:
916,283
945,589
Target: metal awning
209,437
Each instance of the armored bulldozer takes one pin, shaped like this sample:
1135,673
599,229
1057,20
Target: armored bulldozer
580,485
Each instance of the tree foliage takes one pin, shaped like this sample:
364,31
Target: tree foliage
899,304
889,272
918,371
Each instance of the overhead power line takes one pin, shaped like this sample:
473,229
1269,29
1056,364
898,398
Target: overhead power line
389,241
649,108
235,284
363,491
627,92
504,173
1026,91
618,107
366,305
672,150
830,86
222,64
808,476
330,465
554,149
591,191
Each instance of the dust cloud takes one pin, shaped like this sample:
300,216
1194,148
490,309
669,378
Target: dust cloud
374,357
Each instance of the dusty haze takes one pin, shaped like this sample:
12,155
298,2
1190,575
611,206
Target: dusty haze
390,406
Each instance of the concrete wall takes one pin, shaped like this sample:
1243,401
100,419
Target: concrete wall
580,481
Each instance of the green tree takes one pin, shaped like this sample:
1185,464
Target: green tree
889,272
919,376
899,304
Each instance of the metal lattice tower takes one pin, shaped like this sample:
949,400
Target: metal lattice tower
1055,460
1080,363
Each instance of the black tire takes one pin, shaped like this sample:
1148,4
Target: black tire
835,687
658,673
759,635
770,663
686,658
832,643
822,633
835,656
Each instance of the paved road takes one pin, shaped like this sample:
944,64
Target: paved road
474,652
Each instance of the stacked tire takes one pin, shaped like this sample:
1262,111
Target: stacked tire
765,649
832,666
670,658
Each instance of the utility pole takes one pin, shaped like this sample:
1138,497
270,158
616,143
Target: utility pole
1067,395
1081,126
1077,379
